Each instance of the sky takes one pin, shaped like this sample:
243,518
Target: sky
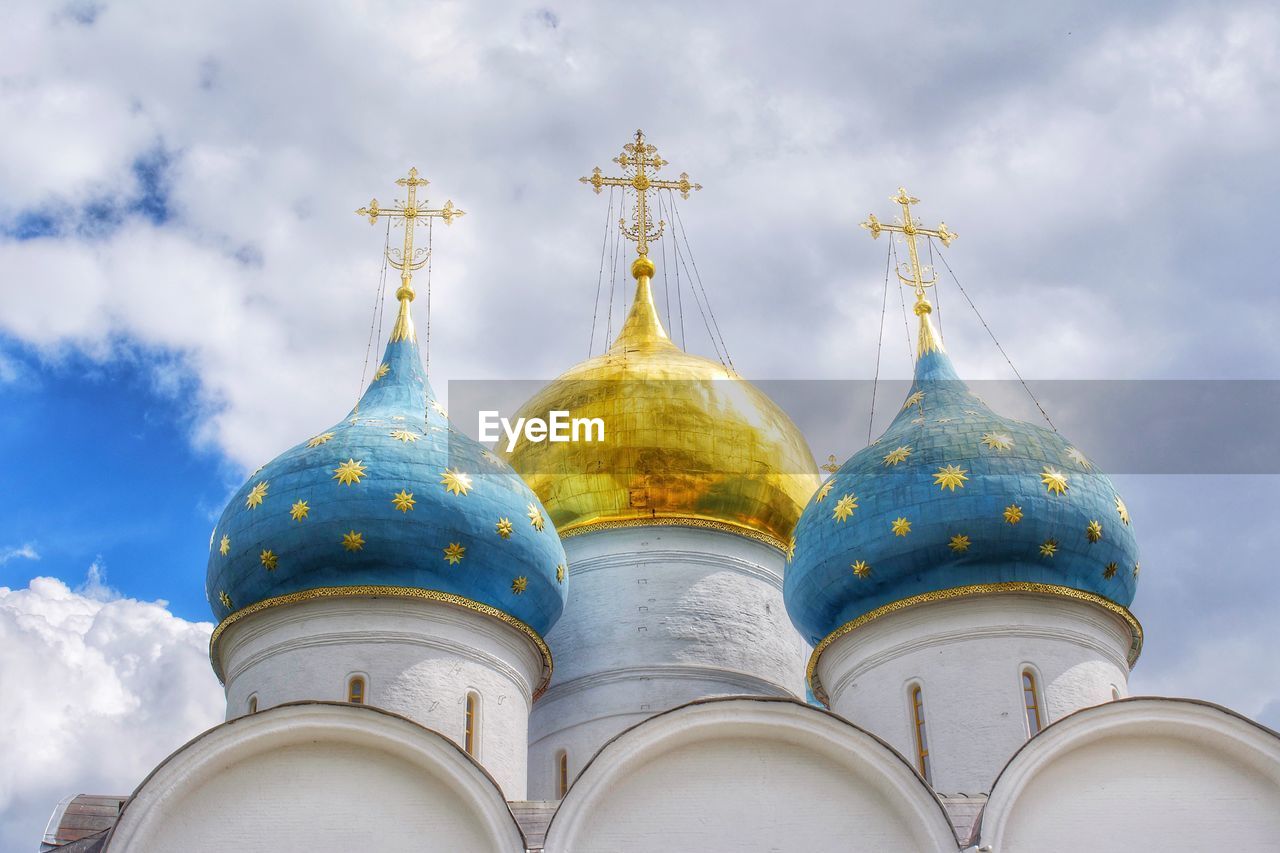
187,290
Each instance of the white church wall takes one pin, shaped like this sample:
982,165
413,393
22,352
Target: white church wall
321,778
968,655
420,659
748,775
1140,774
659,616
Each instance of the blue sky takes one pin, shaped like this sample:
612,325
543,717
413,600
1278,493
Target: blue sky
186,289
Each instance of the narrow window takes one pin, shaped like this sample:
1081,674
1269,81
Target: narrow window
1115,693
471,724
355,690
1031,700
562,773
253,704
922,740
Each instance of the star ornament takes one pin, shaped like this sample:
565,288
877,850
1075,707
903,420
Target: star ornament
1054,481
535,517
1049,547
914,400
1094,531
323,438
349,472
435,404
949,477
383,370
1013,513
225,599
256,494
455,482
1110,571
791,549
900,526
959,543
224,547
823,492
898,454
299,510
1122,510
997,440
561,570
519,585
454,553
504,528
269,560
1079,458
404,435
861,568
403,500
353,541
844,507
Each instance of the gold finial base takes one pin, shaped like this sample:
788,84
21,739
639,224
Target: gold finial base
642,267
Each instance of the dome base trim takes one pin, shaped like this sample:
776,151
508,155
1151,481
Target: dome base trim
1135,627
384,592
584,527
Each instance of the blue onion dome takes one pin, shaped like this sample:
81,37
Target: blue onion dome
955,499
390,501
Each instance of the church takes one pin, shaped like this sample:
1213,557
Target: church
683,638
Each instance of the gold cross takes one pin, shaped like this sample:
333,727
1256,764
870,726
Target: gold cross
832,465
638,159
910,226
408,259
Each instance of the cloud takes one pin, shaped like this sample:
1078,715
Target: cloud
26,551
98,690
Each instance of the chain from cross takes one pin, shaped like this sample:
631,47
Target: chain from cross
639,160
910,227
409,213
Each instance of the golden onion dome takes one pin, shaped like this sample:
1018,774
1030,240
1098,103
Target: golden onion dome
686,441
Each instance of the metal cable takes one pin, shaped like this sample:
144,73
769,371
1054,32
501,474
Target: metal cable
680,258
595,306
375,317
884,306
689,249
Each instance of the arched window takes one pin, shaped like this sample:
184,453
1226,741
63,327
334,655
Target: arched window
562,773
355,690
922,739
1031,701
1115,693
471,724
253,704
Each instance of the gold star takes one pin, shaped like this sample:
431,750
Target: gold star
1094,531
504,528
1079,458
349,472
435,404
959,543
256,494
861,568
898,454
1137,567
455,482
299,510
404,435
1013,513
1049,548
949,476
269,560
560,572
403,500
823,492
225,545
225,599
353,541
1123,510
913,400
454,553
383,370
519,585
791,549
918,420
323,438
535,517
1054,480
997,440
1110,571
900,527
844,507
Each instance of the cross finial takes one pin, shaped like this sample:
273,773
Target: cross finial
639,160
407,258
910,226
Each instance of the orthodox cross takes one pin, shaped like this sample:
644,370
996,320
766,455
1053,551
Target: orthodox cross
910,227
639,160
409,213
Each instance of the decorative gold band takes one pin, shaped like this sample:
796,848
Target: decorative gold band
673,521
1135,627
384,592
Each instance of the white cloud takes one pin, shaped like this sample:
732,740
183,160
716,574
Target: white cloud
25,551
97,691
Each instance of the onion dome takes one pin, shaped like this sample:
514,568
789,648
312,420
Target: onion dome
686,441
956,500
390,501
